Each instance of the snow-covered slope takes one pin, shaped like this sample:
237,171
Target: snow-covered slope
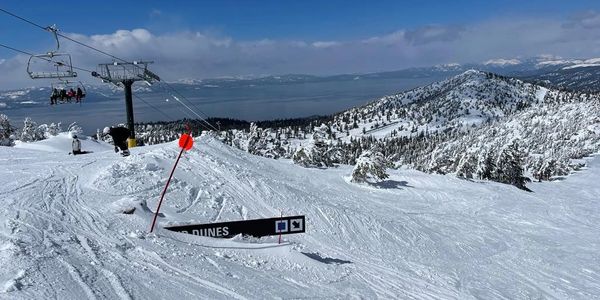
414,236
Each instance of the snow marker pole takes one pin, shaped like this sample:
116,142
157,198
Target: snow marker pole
280,231
183,143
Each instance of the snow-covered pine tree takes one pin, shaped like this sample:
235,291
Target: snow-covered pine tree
30,131
319,151
253,139
53,129
510,166
6,131
441,161
301,158
238,139
548,169
467,166
486,167
535,166
75,129
371,162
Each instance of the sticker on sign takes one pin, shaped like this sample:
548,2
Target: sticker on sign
281,226
296,225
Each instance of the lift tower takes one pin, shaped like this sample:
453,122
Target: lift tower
124,74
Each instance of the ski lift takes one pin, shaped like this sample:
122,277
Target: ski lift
65,91
57,65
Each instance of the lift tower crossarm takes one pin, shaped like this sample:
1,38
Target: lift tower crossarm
126,74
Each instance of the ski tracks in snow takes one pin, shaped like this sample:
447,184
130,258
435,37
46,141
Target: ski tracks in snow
53,218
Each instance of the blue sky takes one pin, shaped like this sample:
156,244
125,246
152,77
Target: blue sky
221,38
252,19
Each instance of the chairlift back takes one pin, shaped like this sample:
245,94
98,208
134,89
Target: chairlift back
54,66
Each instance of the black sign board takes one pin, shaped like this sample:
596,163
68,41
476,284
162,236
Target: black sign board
257,228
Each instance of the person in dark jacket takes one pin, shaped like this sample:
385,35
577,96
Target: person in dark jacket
119,136
63,95
79,94
54,97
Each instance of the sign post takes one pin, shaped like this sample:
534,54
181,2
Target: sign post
185,143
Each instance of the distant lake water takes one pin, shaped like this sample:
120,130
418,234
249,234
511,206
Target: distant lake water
259,102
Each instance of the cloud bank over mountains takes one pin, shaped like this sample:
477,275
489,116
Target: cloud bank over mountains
204,54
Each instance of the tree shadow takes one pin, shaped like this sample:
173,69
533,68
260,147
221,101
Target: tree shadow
390,184
326,260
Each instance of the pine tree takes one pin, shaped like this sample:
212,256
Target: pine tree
253,139
30,131
486,167
75,129
466,166
371,162
301,158
6,131
53,129
510,166
319,154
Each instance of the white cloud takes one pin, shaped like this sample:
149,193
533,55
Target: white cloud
326,44
200,54
502,62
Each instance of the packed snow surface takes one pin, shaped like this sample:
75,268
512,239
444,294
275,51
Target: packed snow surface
63,233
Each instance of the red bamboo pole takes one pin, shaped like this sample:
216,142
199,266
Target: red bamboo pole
162,196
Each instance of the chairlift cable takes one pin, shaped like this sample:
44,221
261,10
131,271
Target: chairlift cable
152,106
185,98
203,119
22,19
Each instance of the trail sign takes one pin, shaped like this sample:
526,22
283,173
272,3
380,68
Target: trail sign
257,228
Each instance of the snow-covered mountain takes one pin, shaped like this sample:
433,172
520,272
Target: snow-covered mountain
581,77
64,235
464,125
468,99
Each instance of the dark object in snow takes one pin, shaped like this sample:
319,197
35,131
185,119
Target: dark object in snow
80,152
129,211
326,260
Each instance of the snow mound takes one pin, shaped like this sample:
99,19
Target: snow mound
62,143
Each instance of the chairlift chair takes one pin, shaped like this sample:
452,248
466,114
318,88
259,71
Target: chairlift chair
53,59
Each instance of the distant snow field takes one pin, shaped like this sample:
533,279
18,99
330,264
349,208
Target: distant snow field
413,236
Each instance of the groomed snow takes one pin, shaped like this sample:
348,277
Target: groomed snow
416,236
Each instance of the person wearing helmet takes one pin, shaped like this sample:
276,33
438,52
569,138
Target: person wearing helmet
76,144
119,136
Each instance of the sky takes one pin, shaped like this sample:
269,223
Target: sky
205,39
